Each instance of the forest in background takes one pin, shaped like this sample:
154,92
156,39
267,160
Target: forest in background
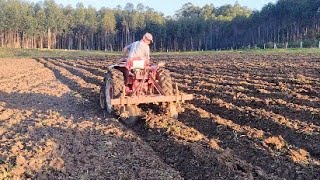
46,24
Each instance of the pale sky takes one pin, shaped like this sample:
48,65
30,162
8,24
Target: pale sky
168,7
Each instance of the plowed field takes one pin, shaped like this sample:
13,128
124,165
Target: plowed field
253,117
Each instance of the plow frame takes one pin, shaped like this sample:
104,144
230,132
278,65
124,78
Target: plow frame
136,100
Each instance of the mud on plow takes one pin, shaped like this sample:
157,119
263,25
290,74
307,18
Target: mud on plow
134,82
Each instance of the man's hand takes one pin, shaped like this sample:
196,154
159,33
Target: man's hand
122,60
126,49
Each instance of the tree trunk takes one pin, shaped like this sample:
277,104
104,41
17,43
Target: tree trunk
2,38
191,40
49,38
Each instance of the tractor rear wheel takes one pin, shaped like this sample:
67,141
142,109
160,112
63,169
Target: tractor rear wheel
165,82
111,88
102,97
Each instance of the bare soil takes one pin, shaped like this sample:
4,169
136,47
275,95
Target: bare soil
253,117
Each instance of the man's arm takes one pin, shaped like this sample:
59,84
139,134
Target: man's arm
147,54
126,49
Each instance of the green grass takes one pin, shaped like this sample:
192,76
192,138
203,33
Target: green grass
35,53
255,51
307,51
288,51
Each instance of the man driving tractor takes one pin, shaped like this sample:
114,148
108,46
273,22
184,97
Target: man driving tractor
140,48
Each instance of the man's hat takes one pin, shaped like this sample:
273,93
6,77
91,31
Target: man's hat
148,36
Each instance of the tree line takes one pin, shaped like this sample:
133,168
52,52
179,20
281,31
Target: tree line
48,25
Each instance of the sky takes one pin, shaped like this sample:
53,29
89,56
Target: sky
168,7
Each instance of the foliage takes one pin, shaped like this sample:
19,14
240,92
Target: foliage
49,25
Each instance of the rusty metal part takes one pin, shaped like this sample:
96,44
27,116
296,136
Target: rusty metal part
156,85
172,110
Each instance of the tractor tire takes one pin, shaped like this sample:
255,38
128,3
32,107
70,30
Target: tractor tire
102,97
113,84
112,88
165,82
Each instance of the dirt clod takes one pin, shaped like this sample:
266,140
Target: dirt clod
299,156
276,142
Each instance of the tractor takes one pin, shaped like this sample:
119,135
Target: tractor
134,82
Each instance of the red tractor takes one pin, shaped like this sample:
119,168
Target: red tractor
133,82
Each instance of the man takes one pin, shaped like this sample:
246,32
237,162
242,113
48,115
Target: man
140,48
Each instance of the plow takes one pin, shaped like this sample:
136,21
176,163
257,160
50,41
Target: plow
134,82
